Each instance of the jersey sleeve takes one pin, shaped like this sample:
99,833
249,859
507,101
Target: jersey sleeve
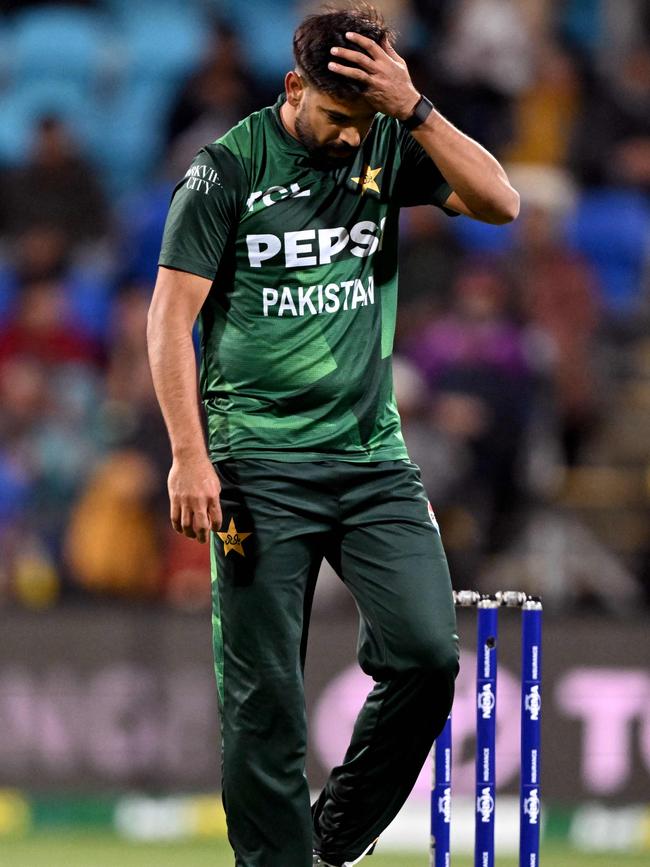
204,209
419,180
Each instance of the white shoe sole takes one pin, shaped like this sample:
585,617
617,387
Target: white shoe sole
363,854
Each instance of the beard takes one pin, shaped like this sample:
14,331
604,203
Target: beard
328,154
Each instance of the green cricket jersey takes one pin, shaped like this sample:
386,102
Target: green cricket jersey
297,330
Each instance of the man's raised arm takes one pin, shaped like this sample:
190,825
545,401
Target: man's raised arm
480,185
192,484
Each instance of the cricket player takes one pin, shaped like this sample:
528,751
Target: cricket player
282,239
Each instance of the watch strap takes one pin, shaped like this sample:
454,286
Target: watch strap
422,110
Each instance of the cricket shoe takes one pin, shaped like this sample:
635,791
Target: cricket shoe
319,862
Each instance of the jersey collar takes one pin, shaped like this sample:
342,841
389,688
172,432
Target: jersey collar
288,142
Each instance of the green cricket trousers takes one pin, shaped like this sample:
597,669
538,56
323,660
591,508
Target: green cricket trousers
372,522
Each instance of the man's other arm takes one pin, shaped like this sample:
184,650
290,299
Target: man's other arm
193,484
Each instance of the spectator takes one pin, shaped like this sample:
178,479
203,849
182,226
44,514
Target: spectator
135,420
112,528
24,401
429,260
559,295
218,95
128,376
487,56
40,328
612,143
442,459
546,111
475,362
45,452
43,253
56,187
620,27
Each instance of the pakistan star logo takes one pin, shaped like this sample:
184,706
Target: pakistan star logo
368,181
232,540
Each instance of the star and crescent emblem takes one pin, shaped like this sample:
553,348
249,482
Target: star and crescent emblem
233,539
367,180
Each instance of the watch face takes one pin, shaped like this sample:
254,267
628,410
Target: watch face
421,112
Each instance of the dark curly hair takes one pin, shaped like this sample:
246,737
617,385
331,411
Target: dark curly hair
318,33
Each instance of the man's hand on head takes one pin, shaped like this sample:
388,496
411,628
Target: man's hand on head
390,89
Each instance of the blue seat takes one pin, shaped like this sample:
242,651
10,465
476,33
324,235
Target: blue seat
265,28
58,42
88,293
5,54
163,39
611,228
137,8
480,237
8,292
15,488
582,22
24,104
142,220
130,142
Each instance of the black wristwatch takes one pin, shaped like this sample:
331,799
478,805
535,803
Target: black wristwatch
422,110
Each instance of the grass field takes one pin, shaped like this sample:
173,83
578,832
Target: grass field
94,850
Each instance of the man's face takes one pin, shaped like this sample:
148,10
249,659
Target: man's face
329,129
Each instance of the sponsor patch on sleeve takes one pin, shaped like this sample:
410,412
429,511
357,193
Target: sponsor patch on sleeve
202,179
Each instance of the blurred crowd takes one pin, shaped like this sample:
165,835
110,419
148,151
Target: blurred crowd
522,365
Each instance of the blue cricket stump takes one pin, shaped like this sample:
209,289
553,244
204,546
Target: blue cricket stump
486,730
441,799
531,707
486,683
